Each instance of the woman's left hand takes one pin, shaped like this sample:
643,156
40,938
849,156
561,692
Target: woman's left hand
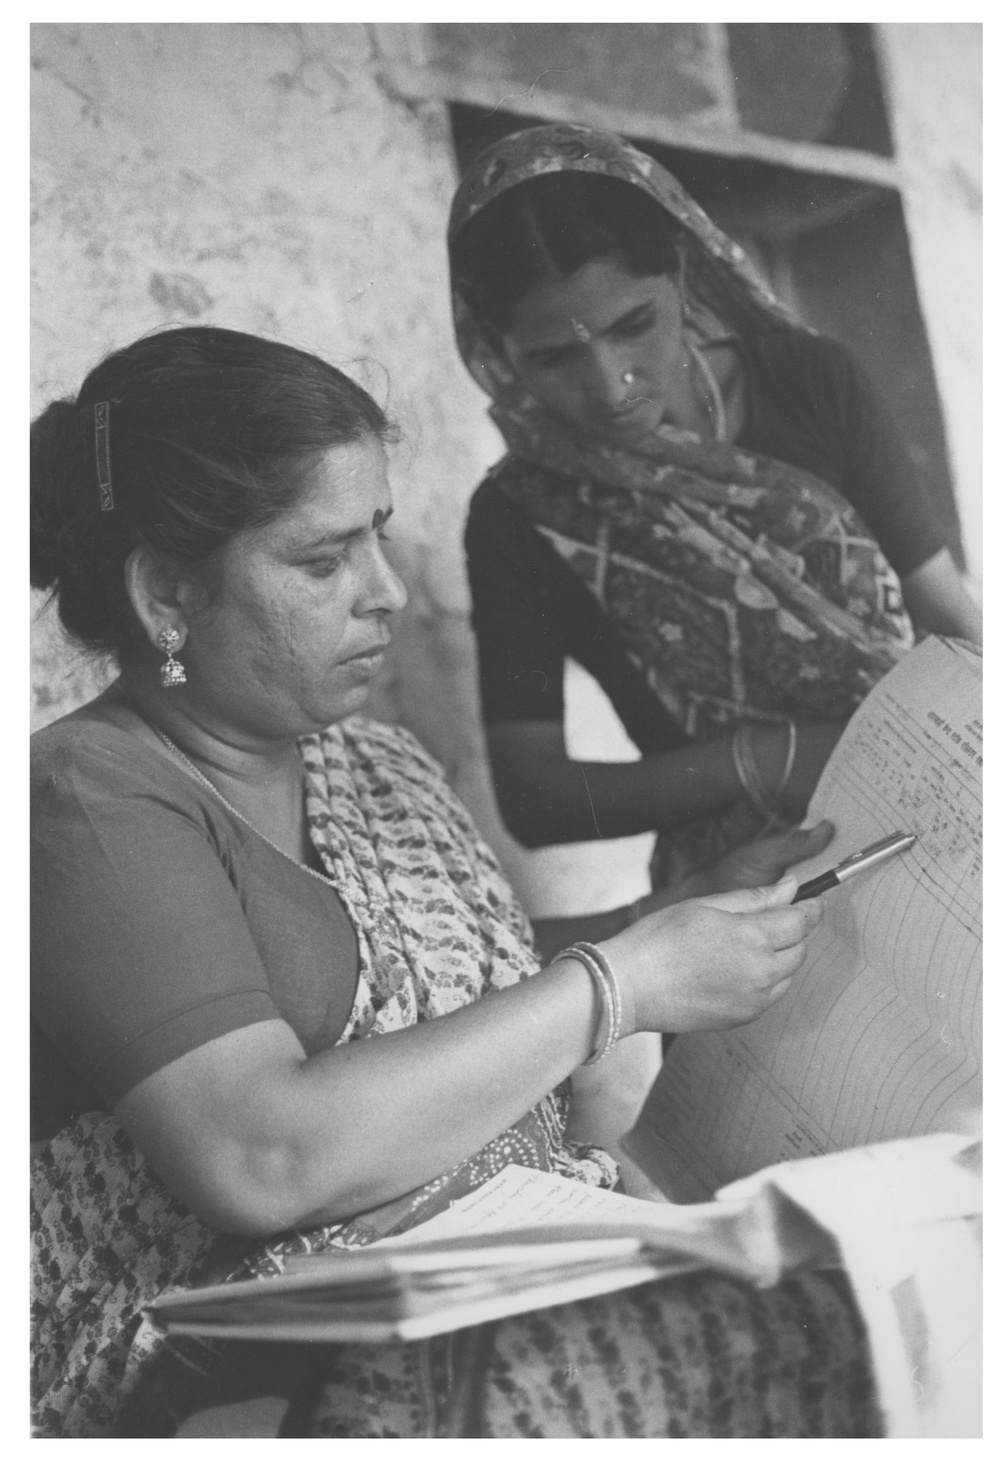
764,860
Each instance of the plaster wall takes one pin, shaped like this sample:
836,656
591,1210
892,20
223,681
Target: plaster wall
261,177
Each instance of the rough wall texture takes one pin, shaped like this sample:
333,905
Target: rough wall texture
261,178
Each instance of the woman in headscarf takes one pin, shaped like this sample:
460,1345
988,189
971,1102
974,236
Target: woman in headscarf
704,504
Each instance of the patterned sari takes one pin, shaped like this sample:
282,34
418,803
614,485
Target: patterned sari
437,927
744,589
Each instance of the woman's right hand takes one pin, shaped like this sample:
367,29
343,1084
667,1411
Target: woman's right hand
709,964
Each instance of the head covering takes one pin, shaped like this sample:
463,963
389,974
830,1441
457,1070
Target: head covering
743,587
718,283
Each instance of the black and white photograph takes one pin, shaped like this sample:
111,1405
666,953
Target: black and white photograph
506,749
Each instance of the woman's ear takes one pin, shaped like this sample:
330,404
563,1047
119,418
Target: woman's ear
160,593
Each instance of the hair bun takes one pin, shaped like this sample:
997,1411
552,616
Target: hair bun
53,436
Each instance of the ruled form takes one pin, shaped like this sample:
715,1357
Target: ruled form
880,1037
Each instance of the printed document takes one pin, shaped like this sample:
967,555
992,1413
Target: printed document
880,1037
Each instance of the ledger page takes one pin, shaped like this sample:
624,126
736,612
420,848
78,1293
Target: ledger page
880,1036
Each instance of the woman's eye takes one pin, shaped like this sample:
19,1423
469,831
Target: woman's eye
323,568
551,360
631,328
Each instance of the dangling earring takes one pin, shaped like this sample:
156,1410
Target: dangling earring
171,672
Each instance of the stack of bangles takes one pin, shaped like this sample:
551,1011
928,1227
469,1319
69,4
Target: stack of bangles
749,774
609,1028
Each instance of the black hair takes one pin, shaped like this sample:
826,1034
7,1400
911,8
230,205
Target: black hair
547,228
211,432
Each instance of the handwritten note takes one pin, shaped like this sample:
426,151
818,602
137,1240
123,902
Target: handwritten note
880,1037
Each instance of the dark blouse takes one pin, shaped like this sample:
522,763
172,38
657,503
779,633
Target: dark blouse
808,403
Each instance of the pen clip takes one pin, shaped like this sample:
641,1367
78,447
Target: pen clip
879,846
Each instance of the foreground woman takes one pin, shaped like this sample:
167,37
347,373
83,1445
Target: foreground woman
705,505
283,996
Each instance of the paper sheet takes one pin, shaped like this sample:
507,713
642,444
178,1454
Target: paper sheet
525,1198
903,1217
907,1218
880,1037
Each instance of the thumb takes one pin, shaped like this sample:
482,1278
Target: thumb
752,901
803,843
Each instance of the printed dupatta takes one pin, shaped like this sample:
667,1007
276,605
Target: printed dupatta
744,588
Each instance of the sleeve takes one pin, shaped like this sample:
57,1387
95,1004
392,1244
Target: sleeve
878,476
521,643
140,949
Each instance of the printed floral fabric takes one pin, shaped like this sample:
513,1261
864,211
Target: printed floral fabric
744,588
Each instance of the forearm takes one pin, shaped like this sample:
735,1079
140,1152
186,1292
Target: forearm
551,799
257,1138
423,1100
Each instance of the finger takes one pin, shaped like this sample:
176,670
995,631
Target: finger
781,850
754,901
790,926
793,840
784,964
803,843
777,991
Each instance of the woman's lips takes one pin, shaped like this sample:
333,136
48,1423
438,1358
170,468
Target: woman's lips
626,416
368,657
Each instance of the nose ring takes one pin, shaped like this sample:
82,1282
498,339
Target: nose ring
628,377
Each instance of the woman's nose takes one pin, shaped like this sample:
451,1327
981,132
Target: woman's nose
384,590
605,381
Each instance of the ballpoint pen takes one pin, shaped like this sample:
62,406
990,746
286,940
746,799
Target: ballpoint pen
858,863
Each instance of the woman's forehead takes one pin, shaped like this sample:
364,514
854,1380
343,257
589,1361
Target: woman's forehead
345,491
596,296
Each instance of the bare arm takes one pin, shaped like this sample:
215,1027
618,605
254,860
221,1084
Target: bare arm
938,601
255,1137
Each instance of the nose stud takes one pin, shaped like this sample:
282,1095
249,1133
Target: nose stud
628,377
